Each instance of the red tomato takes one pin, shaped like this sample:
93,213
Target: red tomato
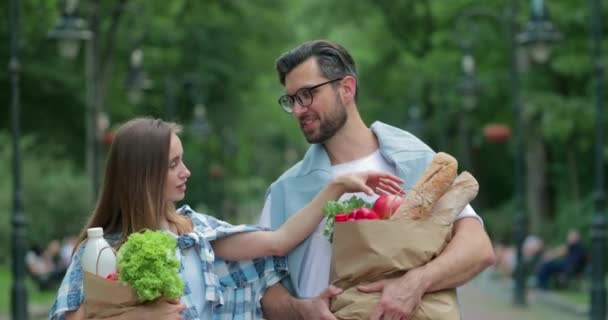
365,214
386,205
341,217
112,277
351,215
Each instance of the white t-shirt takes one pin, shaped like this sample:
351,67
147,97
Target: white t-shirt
314,277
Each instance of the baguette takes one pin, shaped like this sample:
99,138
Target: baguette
462,192
434,182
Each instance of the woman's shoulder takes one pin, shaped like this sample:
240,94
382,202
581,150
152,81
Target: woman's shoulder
201,220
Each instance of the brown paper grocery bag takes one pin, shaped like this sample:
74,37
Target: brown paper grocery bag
105,298
367,251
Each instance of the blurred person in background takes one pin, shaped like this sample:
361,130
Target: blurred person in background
566,261
532,251
45,266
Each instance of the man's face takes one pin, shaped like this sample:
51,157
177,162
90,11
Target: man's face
327,114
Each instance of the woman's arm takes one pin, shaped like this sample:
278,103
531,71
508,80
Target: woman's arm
249,245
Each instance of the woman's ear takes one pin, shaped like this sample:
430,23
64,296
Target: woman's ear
349,88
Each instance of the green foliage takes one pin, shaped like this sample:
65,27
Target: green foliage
332,208
220,54
34,295
55,195
147,264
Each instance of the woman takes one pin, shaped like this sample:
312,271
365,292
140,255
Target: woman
145,175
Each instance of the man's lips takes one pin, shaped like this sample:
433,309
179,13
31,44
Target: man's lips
308,122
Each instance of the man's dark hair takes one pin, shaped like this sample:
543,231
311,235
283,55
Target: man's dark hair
333,60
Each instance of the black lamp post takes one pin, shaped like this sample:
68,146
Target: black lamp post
598,224
520,226
469,88
537,37
137,77
200,123
70,31
18,290
539,32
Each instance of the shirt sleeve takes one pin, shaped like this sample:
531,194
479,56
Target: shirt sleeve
468,212
264,221
70,294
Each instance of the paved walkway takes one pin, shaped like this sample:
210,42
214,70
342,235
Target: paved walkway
37,312
484,299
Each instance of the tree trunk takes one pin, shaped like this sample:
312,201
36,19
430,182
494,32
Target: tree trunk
575,193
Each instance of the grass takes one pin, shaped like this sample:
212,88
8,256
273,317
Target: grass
34,295
578,297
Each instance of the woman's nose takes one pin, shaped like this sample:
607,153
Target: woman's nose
186,172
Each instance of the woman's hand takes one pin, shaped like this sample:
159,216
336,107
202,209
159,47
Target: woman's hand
370,182
161,309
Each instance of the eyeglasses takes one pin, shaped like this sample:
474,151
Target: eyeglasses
303,96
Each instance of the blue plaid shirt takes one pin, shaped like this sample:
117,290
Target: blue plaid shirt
232,289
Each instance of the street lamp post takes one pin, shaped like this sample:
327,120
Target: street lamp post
520,230
18,290
538,33
69,32
598,224
469,88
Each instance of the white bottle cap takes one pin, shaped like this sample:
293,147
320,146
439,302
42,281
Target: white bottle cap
95,232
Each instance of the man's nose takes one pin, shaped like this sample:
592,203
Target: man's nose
298,108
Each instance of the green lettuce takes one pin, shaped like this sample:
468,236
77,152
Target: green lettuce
147,263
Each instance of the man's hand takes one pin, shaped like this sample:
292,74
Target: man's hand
318,308
400,296
278,304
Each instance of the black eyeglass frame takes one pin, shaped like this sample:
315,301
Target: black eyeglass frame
296,97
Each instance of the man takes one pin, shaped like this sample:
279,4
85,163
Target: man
320,81
567,260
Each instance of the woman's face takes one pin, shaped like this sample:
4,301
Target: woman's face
177,175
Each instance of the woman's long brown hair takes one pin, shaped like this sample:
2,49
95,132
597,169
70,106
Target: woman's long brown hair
132,196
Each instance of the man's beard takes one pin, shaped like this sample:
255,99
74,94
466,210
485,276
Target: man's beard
332,124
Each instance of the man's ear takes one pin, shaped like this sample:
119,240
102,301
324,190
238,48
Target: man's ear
349,88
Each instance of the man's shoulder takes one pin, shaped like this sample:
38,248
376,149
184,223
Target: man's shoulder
315,159
397,140
293,171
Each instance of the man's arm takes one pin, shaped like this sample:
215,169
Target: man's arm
279,304
466,255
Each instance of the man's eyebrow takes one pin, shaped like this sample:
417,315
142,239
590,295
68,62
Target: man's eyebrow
307,86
